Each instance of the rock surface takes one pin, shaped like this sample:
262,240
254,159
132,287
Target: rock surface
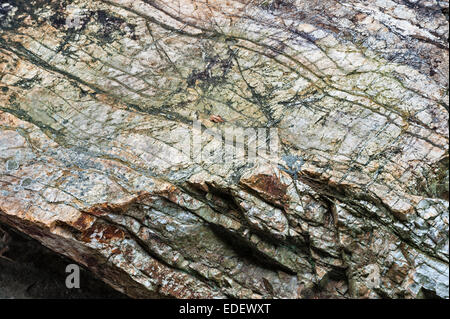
115,147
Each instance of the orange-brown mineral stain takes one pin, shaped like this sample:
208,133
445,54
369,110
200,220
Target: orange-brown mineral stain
172,193
267,184
102,233
84,222
98,210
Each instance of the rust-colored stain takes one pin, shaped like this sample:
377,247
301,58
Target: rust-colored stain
83,222
103,209
171,193
103,233
398,273
268,185
98,210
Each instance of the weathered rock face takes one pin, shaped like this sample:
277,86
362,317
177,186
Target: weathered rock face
128,135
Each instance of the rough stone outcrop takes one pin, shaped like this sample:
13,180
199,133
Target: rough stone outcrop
102,102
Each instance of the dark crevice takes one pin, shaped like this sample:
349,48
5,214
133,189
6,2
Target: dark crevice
34,271
247,250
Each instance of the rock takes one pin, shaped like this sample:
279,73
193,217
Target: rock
269,149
